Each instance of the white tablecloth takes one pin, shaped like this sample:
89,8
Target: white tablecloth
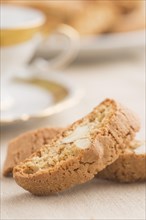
121,78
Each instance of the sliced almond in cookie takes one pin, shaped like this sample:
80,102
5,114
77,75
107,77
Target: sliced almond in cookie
72,159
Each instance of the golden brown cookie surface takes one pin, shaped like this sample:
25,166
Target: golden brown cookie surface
82,150
24,145
129,167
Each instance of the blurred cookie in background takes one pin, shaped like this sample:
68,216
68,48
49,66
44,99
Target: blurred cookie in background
92,17
132,21
126,6
57,12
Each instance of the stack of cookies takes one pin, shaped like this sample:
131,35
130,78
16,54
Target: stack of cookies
101,145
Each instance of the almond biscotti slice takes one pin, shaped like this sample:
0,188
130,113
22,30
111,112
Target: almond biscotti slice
25,144
129,167
81,151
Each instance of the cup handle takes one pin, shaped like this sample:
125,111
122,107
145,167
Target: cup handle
65,57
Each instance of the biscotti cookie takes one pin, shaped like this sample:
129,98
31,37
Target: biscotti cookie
129,167
81,151
24,145
126,6
94,19
134,20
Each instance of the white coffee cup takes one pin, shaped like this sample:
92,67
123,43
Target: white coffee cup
22,33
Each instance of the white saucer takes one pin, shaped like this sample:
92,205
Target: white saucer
39,96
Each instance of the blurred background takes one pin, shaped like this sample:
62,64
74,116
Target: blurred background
92,50
91,17
102,25
108,59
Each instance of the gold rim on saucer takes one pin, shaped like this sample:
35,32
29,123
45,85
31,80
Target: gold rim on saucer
65,95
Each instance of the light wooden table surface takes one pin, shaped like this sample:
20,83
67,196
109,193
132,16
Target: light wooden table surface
121,78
